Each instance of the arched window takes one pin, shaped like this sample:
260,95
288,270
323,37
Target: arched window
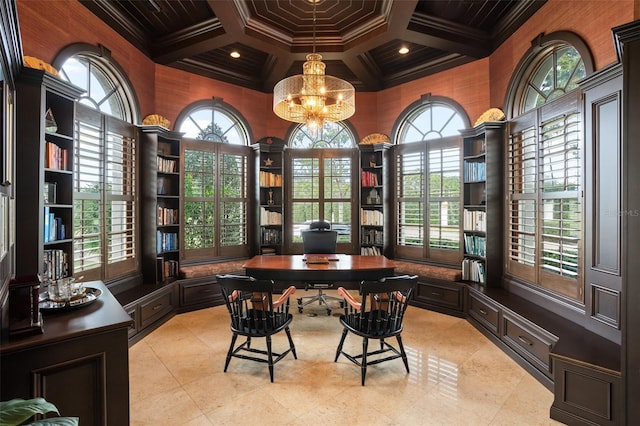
332,135
107,88
323,182
104,225
216,156
544,166
428,179
213,121
432,120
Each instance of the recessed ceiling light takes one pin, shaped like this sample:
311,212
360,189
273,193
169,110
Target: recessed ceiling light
235,54
403,50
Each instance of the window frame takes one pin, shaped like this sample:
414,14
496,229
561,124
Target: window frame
535,275
425,252
318,147
219,150
105,269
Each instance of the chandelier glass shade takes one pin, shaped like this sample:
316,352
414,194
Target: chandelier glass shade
313,97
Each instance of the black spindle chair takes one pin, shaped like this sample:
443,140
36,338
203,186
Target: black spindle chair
254,313
379,315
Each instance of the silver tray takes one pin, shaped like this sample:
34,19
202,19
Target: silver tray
90,295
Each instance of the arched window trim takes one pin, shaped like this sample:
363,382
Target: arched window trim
540,47
101,56
216,104
295,128
425,100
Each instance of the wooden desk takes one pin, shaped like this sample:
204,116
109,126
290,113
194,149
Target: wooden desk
294,268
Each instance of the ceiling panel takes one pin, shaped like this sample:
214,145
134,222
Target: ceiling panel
358,39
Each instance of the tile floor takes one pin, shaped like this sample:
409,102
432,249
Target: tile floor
458,377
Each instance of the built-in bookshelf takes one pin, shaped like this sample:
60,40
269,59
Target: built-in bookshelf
482,207
270,186
372,217
45,119
161,218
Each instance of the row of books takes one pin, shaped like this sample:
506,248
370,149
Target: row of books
370,251
474,171
166,268
166,165
167,216
372,236
166,241
270,179
371,217
474,270
54,228
268,217
270,236
475,220
55,157
475,245
55,265
369,178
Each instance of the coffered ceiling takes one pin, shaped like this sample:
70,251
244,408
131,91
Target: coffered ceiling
358,39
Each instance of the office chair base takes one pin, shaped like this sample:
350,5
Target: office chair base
320,298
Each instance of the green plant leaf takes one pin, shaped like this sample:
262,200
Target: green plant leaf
17,411
57,421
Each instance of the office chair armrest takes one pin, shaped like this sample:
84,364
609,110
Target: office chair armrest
349,298
284,296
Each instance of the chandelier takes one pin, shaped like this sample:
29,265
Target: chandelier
313,97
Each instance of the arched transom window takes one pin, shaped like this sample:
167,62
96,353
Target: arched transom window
213,123
554,75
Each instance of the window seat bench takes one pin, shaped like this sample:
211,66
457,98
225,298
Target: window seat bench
439,287
197,286
212,269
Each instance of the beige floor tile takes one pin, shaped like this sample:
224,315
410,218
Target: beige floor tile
457,377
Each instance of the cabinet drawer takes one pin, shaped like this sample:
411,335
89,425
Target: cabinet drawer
485,312
445,295
156,307
529,340
193,294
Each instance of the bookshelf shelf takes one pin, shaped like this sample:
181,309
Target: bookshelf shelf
45,119
373,159
160,210
270,195
482,211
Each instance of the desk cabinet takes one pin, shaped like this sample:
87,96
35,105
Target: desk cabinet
80,363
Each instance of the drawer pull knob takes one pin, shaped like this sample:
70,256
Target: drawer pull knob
525,340
158,306
482,311
435,293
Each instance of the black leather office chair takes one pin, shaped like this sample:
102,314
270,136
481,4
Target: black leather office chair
318,239
378,315
254,314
